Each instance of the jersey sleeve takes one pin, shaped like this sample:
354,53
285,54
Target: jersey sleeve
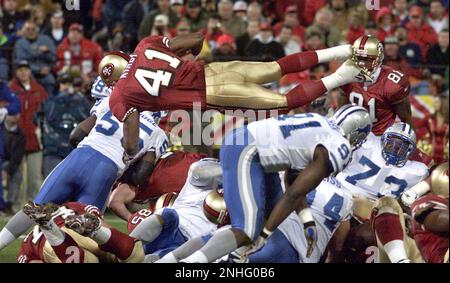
100,107
160,42
339,153
397,87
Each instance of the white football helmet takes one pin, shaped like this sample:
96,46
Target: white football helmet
354,122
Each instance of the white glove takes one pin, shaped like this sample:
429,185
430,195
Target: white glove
3,113
409,196
309,230
347,73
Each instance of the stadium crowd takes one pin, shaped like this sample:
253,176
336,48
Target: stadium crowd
49,57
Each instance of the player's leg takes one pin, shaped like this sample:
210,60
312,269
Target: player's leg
276,250
110,240
389,227
244,193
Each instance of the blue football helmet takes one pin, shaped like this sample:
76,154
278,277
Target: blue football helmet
399,143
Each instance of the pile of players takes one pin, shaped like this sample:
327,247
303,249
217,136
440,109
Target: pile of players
296,188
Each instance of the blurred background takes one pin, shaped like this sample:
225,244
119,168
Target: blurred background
49,53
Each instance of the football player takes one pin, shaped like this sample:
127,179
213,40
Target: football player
88,173
157,78
330,205
251,158
168,228
430,218
377,176
168,176
53,239
386,95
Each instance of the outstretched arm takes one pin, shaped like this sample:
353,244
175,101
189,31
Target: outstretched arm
403,111
190,43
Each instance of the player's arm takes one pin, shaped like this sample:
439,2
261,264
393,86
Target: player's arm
403,110
336,244
139,172
436,221
118,200
131,135
306,181
82,130
190,43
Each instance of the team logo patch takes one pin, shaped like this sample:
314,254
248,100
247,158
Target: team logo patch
108,70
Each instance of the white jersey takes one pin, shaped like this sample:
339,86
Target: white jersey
330,204
369,176
189,203
107,134
290,141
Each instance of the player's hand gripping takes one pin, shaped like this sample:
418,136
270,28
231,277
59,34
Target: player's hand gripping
258,244
349,72
309,229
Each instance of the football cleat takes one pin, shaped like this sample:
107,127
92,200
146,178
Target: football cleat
40,214
84,224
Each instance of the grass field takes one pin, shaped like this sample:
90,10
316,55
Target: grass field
9,254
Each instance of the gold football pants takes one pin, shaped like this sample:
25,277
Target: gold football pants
237,84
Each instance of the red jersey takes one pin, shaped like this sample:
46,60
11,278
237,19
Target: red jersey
33,245
378,98
169,175
432,247
157,79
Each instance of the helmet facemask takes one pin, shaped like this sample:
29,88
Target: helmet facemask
396,149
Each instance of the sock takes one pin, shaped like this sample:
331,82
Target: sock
342,52
68,250
53,234
148,229
119,244
305,93
390,233
188,248
6,238
297,62
222,243
102,235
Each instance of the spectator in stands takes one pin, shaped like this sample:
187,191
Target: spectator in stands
290,45
14,150
13,19
160,26
240,10
62,114
438,16
371,29
419,31
423,4
112,13
147,23
56,30
264,47
5,52
310,10
133,13
385,23
243,41
291,20
340,11
183,27
40,51
177,6
196,16
409,51
226,49
356,27
9,105
314,41
39,16
437,55
31,95
322,24
230,22
254,13
395,60
400,12
213,31
78,52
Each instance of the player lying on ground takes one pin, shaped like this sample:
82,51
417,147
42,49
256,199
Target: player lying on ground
330,205
75,233
88,173
377,176
168,176
252,156
157,78
192,214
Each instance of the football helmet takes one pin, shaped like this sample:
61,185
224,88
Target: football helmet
112,65
368,53
354,123
215,208
398,142
439,180
166,200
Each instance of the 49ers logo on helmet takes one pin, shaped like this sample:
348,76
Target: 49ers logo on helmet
108,70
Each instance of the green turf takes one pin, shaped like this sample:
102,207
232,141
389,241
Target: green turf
8,255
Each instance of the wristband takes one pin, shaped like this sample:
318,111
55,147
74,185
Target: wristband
266,233
306,216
